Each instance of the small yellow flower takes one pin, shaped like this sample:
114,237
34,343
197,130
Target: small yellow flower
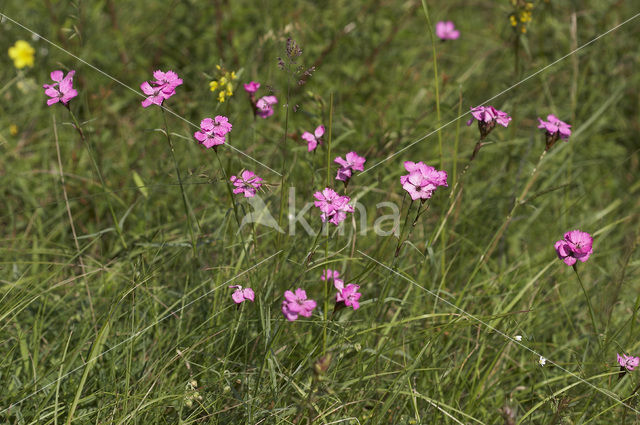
221,96
233,75
213,85
13,129
22,54
524,30
513,20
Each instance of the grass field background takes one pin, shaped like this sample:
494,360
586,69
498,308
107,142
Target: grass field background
130,323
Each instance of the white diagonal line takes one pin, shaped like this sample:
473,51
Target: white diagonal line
139,332
130,88
471,316
504,91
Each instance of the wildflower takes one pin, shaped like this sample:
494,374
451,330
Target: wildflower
487,117
554,130
352,163
22,54
62,89
313,140
576,245
445,30
295,304
224,84
422,180
348,295
627,363
212,131
161,88
334,207
331,274
252,87
542,361
248,183
13,129
518,338
264,106
241,294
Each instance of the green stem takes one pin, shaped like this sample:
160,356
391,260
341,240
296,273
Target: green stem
435,79
95,165
584,291
326,246
184,196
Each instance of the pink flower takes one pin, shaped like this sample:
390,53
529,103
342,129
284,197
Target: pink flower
628,362
445,30
213,131
160,89
313,139
352,163
555,129
487,117
422,180
264,106
295,304
62,89
241,294
348,295
252,87
248,183
576,245
334,207
332,274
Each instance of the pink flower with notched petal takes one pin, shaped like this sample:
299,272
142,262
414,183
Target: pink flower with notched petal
241,294
248,183
351,163
348,295
168,81
156,96
313,140
264,106
554,126
445,30
628,362
296,304
334,207
576,245
252,87
488,117
212,132
422,180
62,89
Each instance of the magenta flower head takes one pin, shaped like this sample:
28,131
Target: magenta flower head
627,363
348,295
313,140
445,30
241,294
487,117
62,89
161,88
576,245
248,183
251,87
422,180
333,207
264,106
212,131
554,130
352,163
295,304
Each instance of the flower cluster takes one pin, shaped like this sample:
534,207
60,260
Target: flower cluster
576,245
161,88
313,140
263,107
62,89
521,15
22,54
248,183
347,295
422,180
240,294
445,30
334,207
488,117
223,84
213,131
554,130
627,363
296,304
352,162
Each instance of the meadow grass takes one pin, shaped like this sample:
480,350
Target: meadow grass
115,259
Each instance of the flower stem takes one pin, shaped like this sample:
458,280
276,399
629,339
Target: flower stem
95,165
584,291
326,246
184,196
435,79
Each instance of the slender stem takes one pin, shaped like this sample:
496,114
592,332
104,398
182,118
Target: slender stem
435,79
326,246
584,291
184,196
95,165
283,182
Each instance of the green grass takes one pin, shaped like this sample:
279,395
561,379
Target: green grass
108,328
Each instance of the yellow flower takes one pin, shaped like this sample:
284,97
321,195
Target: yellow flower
524,30
13,129
213,85
513,20
233,75
22,54
221,96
